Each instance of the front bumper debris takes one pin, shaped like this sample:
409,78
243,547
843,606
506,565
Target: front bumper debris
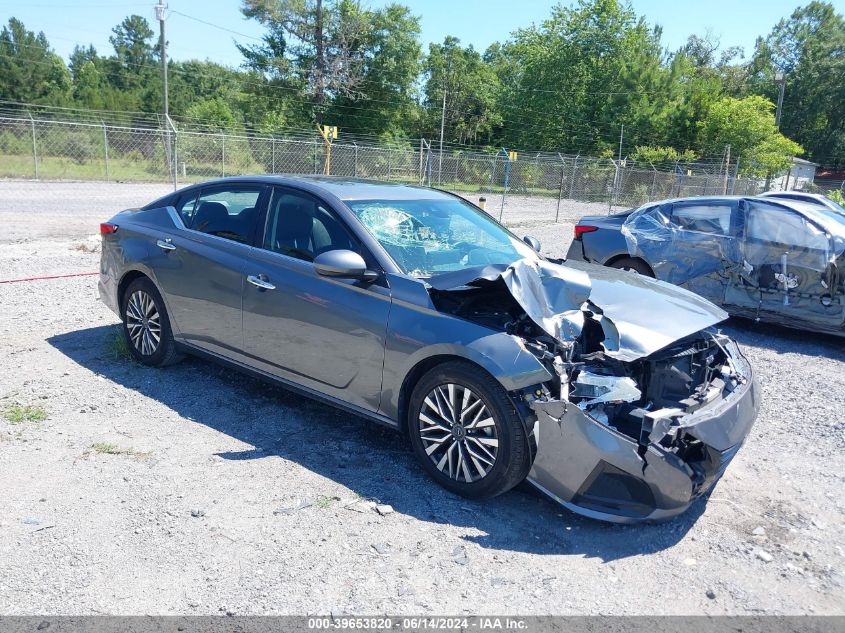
594,470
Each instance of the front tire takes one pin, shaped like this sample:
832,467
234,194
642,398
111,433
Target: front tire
146,326
466,433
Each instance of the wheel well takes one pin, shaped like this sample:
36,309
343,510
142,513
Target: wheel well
619,258
127,279
413,377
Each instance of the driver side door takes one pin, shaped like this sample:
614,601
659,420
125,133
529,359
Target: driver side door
324,333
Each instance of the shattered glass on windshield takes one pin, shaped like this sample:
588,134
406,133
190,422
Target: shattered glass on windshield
427,237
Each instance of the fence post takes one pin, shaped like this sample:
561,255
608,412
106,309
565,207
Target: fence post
421,161
223,155
272,154
175,155
653,182
34,146
560,189
736,175
355,160
106,150
612,194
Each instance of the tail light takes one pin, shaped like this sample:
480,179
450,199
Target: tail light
107,228
580,229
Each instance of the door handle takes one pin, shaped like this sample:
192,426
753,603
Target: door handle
166,245
263,284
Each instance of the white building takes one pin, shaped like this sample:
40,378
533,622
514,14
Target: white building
801,172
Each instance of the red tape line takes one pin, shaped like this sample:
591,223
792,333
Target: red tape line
14,281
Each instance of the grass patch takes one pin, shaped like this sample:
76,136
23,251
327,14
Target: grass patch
18,414
325,502
107,448
116,346
86,247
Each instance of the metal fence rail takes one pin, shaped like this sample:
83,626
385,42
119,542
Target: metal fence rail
47,149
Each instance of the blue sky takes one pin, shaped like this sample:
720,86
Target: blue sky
477,22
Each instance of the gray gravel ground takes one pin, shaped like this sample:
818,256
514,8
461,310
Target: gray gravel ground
214,493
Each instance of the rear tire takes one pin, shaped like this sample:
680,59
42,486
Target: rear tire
146,325
466,433
637,265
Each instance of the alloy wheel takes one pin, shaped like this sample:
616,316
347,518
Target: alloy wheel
458,433
143,323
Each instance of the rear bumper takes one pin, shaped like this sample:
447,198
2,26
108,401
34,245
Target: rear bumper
576,251
596,471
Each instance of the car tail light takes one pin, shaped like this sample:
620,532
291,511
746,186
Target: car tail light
106,228
580,229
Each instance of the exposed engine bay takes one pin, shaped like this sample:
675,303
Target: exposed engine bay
609,372
642,399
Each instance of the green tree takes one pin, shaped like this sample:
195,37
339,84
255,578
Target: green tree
214,111
748,126
657,154
311,45
809,47
564,78
386,104
133,66
30,71
471,88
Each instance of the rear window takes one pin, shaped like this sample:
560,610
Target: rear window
229,213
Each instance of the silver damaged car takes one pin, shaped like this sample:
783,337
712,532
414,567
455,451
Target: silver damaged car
612,393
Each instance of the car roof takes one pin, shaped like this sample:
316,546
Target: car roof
796,205
344,188
792,194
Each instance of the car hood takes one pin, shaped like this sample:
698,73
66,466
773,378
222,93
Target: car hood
637,315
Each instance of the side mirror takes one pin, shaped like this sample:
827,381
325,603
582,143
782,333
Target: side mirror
532,241
343,263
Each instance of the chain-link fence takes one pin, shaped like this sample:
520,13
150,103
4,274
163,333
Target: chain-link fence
50,150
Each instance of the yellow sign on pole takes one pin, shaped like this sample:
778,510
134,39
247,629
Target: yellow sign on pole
512,156
329,134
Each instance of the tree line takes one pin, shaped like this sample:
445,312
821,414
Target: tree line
589,75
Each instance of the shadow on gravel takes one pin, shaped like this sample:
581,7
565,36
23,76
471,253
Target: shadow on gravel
784,340
370,460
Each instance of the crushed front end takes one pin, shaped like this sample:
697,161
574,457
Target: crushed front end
647,403
633,441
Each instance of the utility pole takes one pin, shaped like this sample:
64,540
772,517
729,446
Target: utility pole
442,129
727,169
161,14
779,77
621,136
161,8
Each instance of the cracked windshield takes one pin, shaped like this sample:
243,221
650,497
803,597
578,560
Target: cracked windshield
428,237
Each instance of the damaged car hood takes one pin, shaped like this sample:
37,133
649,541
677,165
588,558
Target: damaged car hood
637,315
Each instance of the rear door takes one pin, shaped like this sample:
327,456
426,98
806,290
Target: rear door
201,269
704,246
324,333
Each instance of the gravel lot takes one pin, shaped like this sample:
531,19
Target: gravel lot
195,490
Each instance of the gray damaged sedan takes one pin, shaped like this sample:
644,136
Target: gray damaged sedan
610,392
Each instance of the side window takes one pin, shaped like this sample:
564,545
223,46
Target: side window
186,205
774,225
228,213
705,218
299,226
